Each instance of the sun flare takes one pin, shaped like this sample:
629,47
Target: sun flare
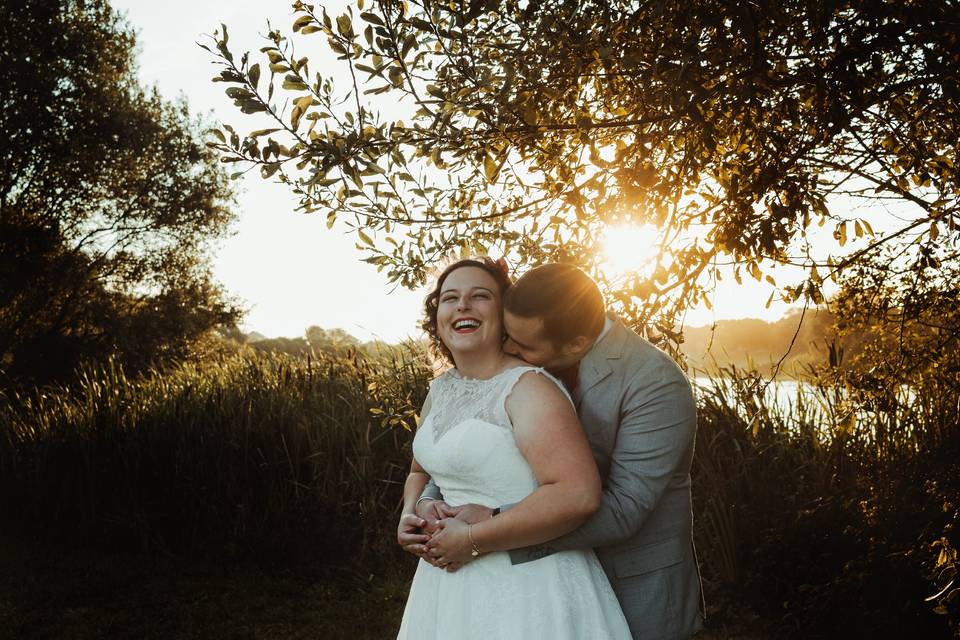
628,248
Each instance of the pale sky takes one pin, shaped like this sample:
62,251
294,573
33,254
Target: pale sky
287,267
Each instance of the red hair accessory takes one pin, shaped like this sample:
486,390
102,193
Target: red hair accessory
505,268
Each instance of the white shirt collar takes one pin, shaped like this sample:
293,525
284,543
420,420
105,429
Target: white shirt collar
607,325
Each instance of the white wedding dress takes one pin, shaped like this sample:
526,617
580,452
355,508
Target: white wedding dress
466,444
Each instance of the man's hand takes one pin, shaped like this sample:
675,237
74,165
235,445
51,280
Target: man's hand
410,537
432,512
469,513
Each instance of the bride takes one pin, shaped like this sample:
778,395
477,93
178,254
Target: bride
495,431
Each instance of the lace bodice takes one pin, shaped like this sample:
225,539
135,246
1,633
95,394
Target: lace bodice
466,443
455,398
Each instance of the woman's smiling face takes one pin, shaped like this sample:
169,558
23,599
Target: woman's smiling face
469,311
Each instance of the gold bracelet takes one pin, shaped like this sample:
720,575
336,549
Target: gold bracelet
475,550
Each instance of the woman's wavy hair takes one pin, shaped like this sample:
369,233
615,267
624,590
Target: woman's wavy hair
496,269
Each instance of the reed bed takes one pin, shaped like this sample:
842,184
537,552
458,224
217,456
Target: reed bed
832,514
260,455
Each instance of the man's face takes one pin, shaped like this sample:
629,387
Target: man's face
526,340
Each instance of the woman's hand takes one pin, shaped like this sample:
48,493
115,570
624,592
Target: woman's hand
410,535
451,544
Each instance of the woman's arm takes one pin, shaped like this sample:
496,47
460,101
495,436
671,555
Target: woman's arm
551,439
409,535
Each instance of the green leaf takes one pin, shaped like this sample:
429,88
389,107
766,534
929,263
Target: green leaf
268,170
254,75
365,238
396,76
252,106
301,22
372,18
408,43
345,26
293,83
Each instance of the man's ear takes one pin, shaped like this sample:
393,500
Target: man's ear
578,345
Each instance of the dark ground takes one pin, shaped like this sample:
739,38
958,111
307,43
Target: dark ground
51,592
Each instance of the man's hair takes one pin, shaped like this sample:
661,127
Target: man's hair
567,299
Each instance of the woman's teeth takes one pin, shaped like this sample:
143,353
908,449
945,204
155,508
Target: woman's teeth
466,325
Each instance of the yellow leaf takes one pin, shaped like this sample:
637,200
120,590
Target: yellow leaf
303,102
364,237
490,168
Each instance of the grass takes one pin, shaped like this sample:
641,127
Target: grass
252,495
49,592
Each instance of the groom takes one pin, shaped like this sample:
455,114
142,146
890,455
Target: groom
638,412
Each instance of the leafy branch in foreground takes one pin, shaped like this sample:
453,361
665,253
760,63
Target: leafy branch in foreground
739,131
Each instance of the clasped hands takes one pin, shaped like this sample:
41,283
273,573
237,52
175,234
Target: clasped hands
437,532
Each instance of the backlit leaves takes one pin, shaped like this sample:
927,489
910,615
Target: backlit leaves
527,129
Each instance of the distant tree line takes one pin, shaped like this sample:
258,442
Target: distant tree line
315,340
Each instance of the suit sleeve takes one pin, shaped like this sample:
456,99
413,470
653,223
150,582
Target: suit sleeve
657,429
431,491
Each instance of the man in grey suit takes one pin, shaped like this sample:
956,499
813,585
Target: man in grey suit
638,412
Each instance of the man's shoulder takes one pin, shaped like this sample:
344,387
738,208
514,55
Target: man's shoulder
637,351
640,362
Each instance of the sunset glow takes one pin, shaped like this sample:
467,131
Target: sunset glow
628,248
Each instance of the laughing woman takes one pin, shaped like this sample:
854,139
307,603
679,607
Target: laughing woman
496,431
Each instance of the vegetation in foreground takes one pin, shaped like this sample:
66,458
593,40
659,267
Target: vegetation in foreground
808,522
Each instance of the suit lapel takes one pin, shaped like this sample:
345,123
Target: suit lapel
595,366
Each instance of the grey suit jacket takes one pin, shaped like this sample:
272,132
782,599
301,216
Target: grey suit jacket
637,409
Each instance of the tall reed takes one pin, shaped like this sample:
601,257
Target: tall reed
819,513
821,510
267,455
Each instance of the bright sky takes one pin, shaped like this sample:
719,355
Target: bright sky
291,271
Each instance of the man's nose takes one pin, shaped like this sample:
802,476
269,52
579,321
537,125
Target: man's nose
510,347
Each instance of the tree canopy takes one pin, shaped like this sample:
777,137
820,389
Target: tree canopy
746,133
109,199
